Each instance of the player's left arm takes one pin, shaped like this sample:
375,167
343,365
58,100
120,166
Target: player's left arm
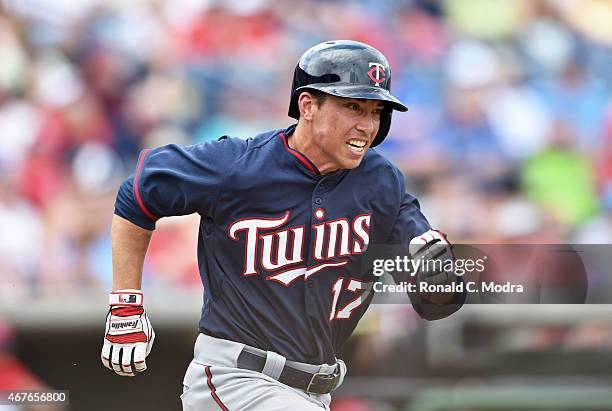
412,230
435,252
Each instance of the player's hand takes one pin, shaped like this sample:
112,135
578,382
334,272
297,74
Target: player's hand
129,336
432,248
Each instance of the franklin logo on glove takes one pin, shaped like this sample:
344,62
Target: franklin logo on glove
121,325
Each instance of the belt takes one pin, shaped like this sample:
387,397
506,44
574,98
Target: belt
314,383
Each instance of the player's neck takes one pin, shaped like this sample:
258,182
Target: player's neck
300,141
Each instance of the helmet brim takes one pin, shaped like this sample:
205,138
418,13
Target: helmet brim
357,92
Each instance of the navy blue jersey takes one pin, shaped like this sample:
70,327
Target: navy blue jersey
280,245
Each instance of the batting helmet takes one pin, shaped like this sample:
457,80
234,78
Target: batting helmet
346,68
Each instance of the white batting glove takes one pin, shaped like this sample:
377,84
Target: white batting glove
429,246
129,335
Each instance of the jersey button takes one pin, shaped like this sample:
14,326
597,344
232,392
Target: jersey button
318,201
309,284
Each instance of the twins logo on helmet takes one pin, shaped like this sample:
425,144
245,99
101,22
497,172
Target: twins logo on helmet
377,73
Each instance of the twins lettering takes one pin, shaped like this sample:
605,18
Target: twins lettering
271,246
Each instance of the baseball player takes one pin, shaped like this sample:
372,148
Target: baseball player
286,218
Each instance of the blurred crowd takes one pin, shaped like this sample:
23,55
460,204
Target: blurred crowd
508,137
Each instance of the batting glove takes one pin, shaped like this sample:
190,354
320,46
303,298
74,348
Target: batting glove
129,335
434,250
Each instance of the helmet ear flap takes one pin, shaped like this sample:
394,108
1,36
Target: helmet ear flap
301,79
294,110
385,125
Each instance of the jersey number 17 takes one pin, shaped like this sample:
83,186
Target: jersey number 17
353,286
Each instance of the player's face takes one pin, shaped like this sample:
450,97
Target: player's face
344,129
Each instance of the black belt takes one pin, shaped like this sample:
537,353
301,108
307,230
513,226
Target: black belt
314,383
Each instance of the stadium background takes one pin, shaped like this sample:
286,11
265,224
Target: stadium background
508,140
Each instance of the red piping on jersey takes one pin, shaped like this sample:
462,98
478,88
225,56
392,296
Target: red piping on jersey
136,192
213,391
299,156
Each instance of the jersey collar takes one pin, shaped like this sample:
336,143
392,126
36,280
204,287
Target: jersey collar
301,159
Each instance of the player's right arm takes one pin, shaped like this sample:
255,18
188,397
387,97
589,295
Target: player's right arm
128,336
129,246
168,181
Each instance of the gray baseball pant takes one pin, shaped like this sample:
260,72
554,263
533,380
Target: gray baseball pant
214,382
